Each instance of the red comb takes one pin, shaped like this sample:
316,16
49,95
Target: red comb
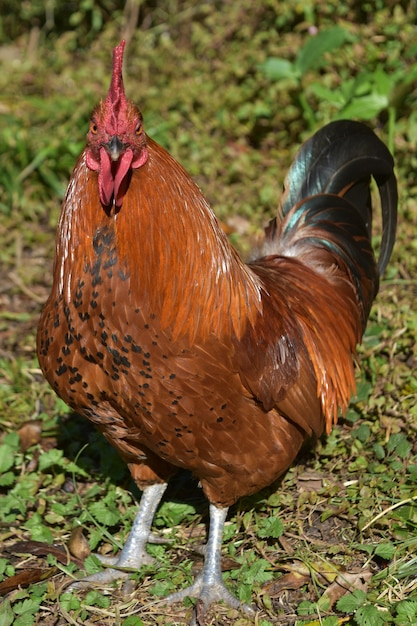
116,97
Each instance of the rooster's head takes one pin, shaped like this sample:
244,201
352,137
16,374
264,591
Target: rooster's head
116,142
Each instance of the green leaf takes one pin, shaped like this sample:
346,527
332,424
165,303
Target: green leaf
6,613
69,602
3,565
12,440
162,588
369,615
38,531
412,470
26,619
7,479
310,56
399,444
360,464
363,391
26,610
106,514
352,415
7,457
362,433
330,621
276,68
132,620
383,82
334,96
50,458
407,611
365,107
270,527
12,505
257,572
173,513
95,598
92,565
351,601
306,608
385,550
378,451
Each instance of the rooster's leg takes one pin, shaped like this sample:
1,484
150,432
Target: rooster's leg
208,586
134,554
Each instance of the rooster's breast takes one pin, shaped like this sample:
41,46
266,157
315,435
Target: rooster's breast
106,352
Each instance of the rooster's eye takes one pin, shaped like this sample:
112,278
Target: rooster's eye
138,130
93,128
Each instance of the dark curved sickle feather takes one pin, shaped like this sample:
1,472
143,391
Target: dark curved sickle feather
330,222
340,159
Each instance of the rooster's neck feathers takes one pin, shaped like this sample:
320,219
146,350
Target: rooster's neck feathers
170,226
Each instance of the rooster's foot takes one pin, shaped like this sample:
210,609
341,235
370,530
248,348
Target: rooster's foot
206,594
134,554
208,586
142,559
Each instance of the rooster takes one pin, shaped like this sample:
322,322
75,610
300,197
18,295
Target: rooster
181,354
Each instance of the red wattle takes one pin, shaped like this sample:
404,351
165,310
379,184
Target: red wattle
121,179
114,176
105,178
141,159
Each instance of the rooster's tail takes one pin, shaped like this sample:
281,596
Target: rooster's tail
325,214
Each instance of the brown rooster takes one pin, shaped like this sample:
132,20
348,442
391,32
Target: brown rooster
181,354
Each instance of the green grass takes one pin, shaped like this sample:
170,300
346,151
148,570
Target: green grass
231,89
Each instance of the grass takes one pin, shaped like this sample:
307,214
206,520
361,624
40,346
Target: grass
231,89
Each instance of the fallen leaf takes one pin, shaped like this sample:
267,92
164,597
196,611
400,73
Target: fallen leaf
285,545
298,576
309,482
229,564
346,582
326,572
30,434
39,548
25,578
78,544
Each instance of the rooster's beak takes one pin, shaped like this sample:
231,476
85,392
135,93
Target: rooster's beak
114,147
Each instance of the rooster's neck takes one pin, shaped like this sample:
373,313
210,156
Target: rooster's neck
165,244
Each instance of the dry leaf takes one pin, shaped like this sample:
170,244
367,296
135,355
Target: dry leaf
78,544
285,545
228,564
309,482
39,548
30,434
346,582
298,575
25,578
